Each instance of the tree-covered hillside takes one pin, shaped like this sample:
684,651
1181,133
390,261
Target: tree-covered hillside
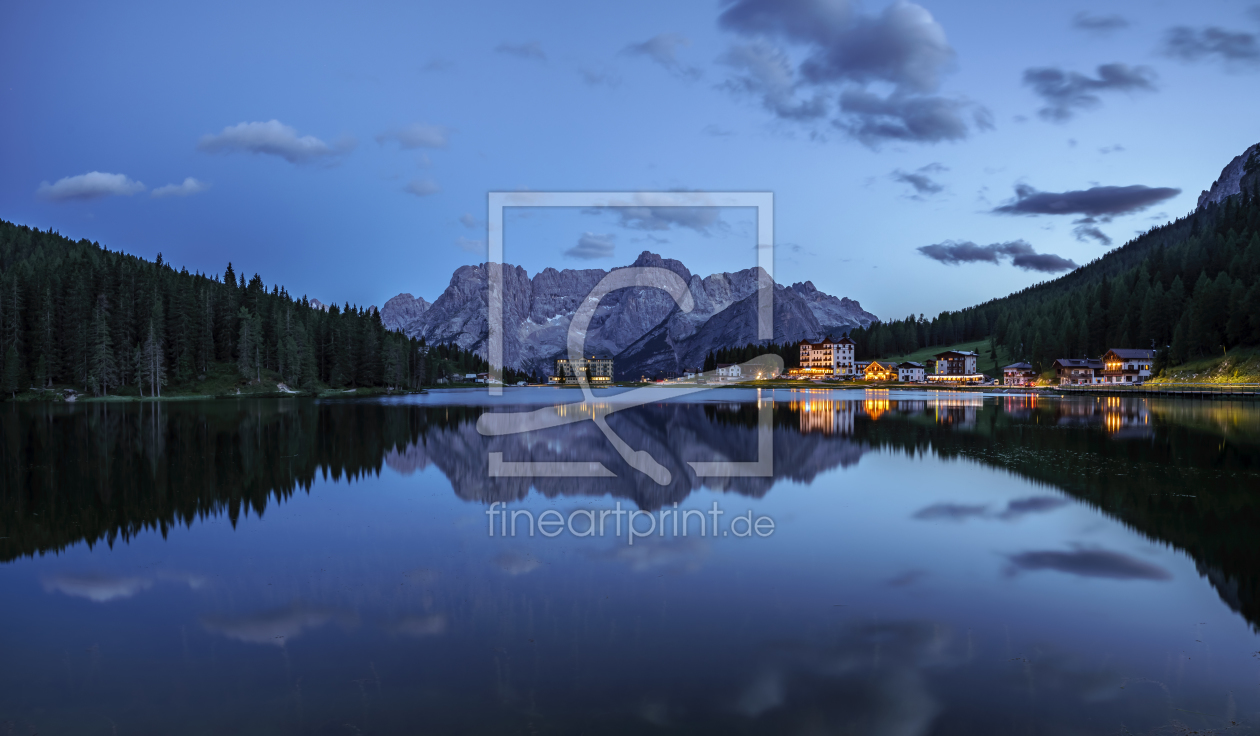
1188,288
74,314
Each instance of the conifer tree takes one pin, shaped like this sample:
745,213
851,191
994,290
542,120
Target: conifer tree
103,364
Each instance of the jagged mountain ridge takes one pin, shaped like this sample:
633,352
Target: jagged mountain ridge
641,326
1228,183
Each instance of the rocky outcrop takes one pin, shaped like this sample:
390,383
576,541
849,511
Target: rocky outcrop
641,326
402,310
1231,176
835,314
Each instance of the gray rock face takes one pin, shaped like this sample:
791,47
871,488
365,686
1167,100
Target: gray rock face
1231,175
641,326
402,310
833,313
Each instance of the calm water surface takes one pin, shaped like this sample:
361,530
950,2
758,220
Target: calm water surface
939,564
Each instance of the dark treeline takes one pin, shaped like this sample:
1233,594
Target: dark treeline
74,314
790,352
99,472
1188,288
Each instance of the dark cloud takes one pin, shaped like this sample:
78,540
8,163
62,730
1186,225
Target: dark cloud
663,49
1066,93
949,511
1111,149
1099,24
766,73
1087,229
591,246
1103,202
1090,563
873,119
700,219
1031,505
467,220
602,76
1022,255
272,138
903,45
902,48
1232,47
716,131
919,179
1043,262
528,50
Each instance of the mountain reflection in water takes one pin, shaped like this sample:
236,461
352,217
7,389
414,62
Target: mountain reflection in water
1181,474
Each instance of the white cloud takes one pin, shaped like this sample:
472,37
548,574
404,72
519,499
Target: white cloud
92,185
189,186
421,187
272,138
416,135
96,588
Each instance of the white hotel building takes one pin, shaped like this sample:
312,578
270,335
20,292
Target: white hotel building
828,358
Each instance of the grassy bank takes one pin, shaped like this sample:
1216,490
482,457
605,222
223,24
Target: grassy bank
1240,365
985,363
221,381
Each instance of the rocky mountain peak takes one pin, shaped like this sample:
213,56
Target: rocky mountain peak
648,259
1228,184
641,326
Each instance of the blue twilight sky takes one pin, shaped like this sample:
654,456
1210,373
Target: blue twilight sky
922,157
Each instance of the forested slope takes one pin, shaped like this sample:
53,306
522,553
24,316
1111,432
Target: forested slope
1188,288
75,314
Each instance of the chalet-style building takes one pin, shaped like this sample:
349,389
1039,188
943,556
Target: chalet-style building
1125,365
1019,374
597,370
911,372
828,358
881,370
955,366
1078,371
729,371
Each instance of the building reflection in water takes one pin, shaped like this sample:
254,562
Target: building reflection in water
1121,418
835,416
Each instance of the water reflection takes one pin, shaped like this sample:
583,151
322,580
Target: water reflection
349,603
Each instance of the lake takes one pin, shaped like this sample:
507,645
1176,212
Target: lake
877,563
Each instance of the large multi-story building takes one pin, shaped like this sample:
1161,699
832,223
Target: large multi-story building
597,370
828,358
1123,365
955,366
